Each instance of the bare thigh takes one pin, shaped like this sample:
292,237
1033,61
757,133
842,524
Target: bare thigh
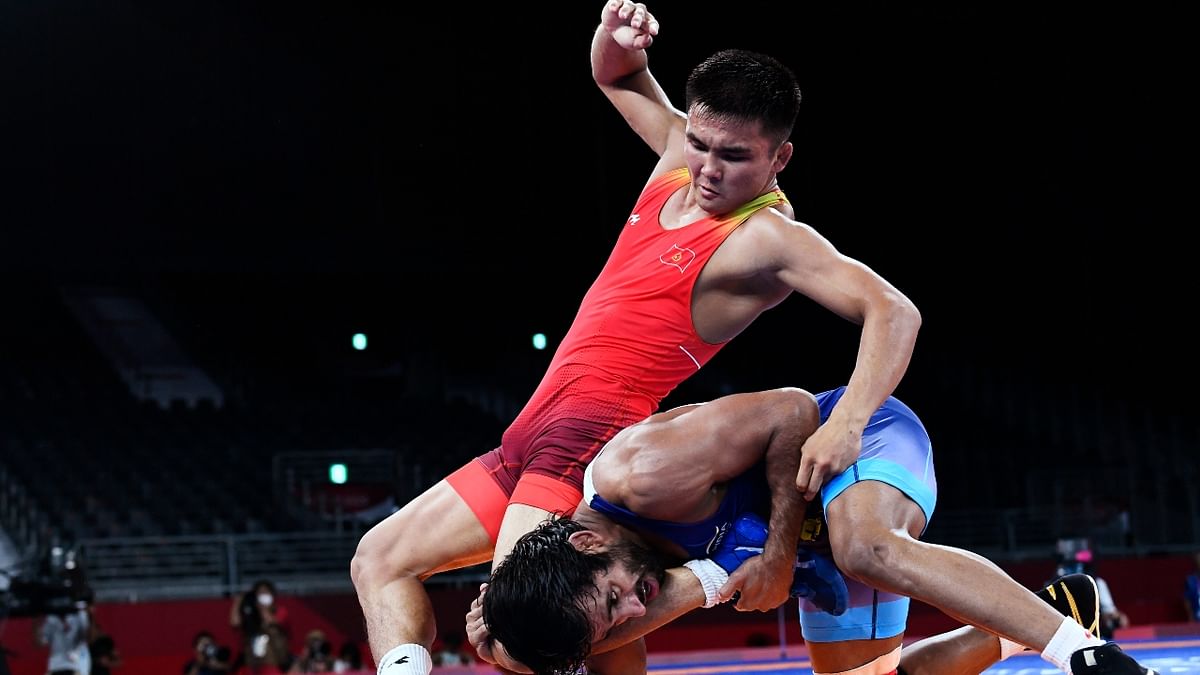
433,533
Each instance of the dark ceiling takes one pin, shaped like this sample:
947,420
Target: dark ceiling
453,170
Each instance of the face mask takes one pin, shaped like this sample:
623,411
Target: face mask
264,598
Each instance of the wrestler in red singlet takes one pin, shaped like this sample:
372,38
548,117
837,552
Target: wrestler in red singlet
632,342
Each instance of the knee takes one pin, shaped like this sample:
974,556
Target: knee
381,555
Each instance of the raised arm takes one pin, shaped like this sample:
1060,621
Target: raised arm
619,67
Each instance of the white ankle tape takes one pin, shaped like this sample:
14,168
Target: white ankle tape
712,577
406,659
880,665
1068,639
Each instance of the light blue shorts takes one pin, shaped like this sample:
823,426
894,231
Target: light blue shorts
895,451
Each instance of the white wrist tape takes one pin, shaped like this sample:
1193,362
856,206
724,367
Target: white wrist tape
405,659
711,577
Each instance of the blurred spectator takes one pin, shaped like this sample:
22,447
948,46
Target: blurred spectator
207,658
452,652
317,656
349,658
1191,586
263,624
105,657
66,634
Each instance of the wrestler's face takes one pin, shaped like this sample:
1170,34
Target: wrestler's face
623,590
731,161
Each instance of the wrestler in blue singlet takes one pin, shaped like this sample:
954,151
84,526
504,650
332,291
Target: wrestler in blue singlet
895,450
743,494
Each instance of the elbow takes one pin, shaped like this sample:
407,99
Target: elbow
903,315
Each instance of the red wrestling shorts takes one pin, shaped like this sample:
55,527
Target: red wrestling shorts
545,473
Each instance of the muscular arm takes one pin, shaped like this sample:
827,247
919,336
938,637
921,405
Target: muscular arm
808,264
797,423
765,582
667,466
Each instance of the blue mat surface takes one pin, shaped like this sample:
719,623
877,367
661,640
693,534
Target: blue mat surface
1166,656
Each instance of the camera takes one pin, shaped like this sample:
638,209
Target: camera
214,652
57,586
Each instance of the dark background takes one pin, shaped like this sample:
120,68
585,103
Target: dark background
450,180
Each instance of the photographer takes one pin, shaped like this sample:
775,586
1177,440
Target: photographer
317,656
208,658
105,655
66,634
262,622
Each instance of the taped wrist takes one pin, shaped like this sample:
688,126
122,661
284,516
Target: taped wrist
405,659
711,577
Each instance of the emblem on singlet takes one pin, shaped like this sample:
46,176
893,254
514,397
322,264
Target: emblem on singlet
678,257
718,537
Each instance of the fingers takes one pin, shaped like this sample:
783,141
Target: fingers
641,19
731,589
815,481
478,601
476,628
636,16
804,476
811,477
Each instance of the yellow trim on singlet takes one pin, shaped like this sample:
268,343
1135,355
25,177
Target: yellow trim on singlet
771,198
682,176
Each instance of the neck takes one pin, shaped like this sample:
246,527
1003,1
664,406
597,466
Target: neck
599,523
592,520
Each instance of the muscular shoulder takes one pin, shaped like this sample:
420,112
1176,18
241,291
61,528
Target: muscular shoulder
776,223
768,241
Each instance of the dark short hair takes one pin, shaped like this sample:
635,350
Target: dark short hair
537,599
744,85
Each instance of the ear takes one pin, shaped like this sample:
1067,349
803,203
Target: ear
588,541
783,156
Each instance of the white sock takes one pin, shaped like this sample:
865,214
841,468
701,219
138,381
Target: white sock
1008,648
406,659
1068,639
